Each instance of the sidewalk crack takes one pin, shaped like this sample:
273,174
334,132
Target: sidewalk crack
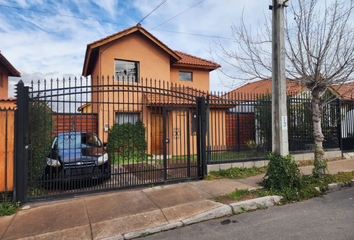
8,226
88,217
203,190
156,206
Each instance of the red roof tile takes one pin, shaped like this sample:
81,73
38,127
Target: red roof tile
260,87
345,90
196,61
12,70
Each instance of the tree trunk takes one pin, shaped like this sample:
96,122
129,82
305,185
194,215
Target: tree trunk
317,128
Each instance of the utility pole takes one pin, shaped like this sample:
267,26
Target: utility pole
280,143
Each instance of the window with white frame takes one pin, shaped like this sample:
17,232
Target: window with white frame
126,71
122,118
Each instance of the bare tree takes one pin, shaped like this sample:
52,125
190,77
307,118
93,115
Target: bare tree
319,52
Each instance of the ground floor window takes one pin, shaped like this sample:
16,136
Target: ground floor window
122,118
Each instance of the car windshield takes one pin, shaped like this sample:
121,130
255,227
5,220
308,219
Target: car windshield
77,140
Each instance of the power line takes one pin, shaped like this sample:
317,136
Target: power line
193,34
153,10
100,21
178,14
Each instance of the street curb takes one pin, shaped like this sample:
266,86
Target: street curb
225,210
332,187
149,231
214,213
251,204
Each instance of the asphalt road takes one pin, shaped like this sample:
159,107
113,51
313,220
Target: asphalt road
331,217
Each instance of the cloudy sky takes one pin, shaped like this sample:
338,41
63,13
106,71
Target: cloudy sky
46,39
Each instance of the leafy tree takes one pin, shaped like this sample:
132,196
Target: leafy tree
319,52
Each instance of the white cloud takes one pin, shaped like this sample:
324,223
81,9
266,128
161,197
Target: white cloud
44,45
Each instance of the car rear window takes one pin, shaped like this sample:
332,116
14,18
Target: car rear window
69,141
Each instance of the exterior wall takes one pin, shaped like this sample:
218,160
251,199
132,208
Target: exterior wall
4,82
7,133
217,129
200,78
153,63
87,109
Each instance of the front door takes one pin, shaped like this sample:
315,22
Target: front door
157,133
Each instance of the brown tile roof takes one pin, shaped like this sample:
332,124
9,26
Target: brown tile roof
12,70
178,58
185,96
188,59
260,87
345,90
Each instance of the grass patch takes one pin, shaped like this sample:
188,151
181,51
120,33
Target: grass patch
235,173
118,159
184,157
241,193
305,191
223,156
243,211
343,177
180,158
8,208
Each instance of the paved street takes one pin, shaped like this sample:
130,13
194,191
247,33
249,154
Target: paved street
331,217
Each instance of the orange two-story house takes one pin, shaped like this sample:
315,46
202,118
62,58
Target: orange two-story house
130,56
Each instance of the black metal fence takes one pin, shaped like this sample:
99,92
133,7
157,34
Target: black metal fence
81,135
124,134
242,128
347,125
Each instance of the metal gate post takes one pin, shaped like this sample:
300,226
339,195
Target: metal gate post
21,143
201,131
339,126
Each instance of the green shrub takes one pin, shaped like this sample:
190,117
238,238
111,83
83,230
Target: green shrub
8,208
40,131
127,141
282,174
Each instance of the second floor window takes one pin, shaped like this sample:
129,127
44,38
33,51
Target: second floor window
126,71
185,76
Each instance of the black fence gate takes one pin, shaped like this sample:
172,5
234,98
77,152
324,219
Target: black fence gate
146,132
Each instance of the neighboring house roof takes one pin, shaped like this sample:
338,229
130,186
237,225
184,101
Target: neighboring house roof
345,90
81,108
188,59
12,70
265,86
178,58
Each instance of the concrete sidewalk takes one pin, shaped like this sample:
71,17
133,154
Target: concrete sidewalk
113,214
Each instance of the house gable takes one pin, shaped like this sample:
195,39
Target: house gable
6,70
92,50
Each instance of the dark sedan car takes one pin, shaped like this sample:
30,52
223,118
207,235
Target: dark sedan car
77,155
